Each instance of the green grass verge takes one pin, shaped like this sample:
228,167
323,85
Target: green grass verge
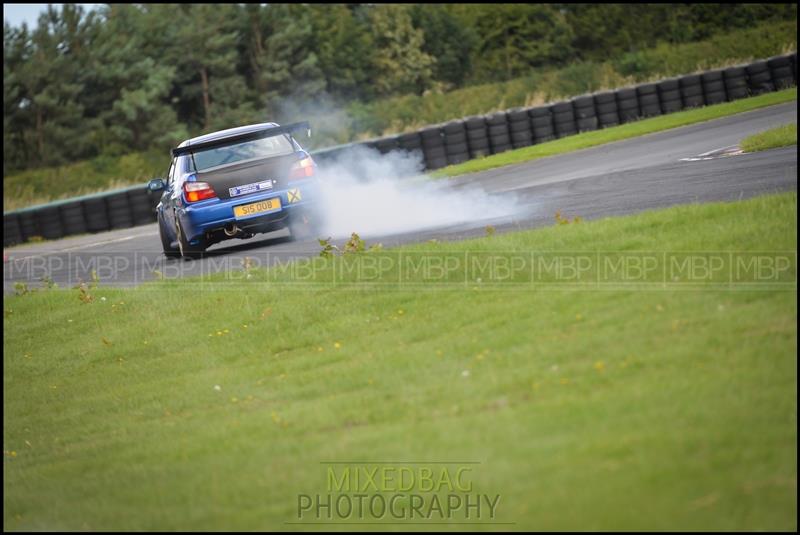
618,133
587,409
781,136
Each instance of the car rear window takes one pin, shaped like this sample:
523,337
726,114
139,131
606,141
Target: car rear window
242,152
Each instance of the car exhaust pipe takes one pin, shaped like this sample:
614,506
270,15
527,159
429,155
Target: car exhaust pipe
231,230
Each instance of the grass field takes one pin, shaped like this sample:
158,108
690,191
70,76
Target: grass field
618,133
771,139
187,406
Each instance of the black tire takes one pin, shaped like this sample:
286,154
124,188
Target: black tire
386,145
477,136
607,111
627,104
759,78
454,158
96,214
585,113
455,142
781,69
74,218
166,243
735,83
142,208
649,105
692,91
433,147
519,124
669,95
119,210
499,135
564,119
714,87
542,124
29,225
521,138
410,142
303,227
12,230
50,223
187,250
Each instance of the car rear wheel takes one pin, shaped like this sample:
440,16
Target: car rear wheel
166,243
304,227
187,250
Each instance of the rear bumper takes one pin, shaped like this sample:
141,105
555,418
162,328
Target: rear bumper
206,217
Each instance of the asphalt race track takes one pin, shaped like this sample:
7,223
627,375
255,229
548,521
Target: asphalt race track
619,178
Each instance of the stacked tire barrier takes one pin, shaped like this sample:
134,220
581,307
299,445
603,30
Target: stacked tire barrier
116,209
450,143
477,137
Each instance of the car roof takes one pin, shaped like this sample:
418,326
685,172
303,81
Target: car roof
226,133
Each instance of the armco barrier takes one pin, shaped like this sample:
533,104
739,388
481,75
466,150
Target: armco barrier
453,142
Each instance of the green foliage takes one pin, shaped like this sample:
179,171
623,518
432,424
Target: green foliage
400,65
515,38
133,78
451,43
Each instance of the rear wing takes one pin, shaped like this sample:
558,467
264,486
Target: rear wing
269,131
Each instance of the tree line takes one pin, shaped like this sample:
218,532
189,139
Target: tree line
124,78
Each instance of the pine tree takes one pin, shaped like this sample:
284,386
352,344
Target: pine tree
399,63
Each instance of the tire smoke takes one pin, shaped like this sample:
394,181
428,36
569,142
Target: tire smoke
372,194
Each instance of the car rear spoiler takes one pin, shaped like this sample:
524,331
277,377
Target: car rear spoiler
269,131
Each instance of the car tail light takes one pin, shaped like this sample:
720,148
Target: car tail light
198,191
302,169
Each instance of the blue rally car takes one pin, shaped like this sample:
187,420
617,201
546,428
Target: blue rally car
233,184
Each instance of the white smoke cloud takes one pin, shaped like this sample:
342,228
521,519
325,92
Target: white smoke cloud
372,194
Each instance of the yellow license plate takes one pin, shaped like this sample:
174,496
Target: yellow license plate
260,207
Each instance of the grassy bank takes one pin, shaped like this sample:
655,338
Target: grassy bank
548,85
179,406
618,133
781,136
394,115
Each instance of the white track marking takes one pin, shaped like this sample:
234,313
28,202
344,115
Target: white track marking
732,150
719,150
82,246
